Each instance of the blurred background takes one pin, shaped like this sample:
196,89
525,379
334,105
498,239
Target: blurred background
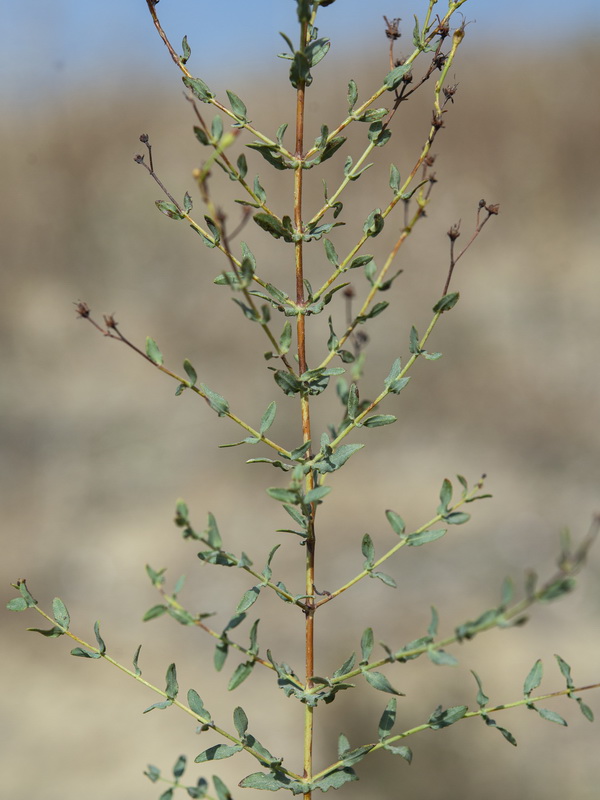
96,449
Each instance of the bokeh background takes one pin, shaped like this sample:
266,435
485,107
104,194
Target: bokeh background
96,449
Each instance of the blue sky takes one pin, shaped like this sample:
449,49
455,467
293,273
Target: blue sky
50,45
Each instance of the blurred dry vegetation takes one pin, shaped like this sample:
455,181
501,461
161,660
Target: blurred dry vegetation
95,448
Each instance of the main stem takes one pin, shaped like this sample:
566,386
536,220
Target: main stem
305,412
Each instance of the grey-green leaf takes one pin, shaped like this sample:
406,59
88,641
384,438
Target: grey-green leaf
153,352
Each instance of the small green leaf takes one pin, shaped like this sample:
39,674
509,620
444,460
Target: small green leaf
394,78
187,51
238,108
190,372
441,658
99,639
268,418
368,551
136,656
447,302
564,668
395,521
366,644
154,612
388,719
317,494
153,352
482,698
199,88
551,716
387,579
424,537
404,752
212,532
378,420
217,752
240,720
442,719
352,96
333,462
169,209
61,615
533,680
172,687
242,671
179,767
394,178
380,682
17,604
250,597
215,401
197,706
79,651
222,791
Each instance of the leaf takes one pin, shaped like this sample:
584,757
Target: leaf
366,644
271,782
222,791
317,494
433,625
17,604
268,418
212,532
445,496
564,668
394,78
403,751
241,672
179,767
153,352
368,551
79,651
388,719
346,667
585,710
395,521
190,372
199,88
172,687
380,682
316,51
238,108
442,719
387,579
441,658
335,779
551,716
250,597
533,680
169,209
215,401
154,612
136,656
447,302
394,178
424,537
352,96
61,615
197,706
217,752
187,51
333,462
99,639
240,720
482,698
378,420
